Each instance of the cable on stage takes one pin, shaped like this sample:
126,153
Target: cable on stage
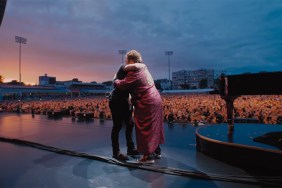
252,180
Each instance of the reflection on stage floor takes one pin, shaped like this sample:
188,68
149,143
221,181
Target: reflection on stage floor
24,166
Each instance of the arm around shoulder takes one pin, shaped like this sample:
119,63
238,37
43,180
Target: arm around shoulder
134,67
127,83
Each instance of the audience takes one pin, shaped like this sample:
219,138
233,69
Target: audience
182,108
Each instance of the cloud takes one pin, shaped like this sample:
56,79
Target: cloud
82,38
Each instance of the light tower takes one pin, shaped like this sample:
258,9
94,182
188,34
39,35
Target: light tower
122,52
169,53
20,40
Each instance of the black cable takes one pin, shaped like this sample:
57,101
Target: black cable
261,180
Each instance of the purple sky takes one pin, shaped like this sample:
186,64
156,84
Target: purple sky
81,38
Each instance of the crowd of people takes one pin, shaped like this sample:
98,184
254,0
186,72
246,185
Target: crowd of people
211,109
180,108
97,105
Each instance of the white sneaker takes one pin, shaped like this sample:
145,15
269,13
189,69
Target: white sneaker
157,156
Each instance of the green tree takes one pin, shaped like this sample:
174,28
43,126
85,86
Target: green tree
185,86
108,83
203,83
1,79
217,83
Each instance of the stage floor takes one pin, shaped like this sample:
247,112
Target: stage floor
23,166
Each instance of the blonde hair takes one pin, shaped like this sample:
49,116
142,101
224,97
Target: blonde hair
134,56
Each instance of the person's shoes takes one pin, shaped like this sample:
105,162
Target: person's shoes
121,157
145,160
133,152
157,155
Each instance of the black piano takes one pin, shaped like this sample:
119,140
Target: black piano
233,86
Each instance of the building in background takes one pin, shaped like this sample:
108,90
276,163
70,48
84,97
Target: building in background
73,86
49,88
163,84
47,80
68,83
193,79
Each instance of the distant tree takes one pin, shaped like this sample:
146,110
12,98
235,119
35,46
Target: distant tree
185,86
1,79
108,83
217,83
203,83
15,82
158,85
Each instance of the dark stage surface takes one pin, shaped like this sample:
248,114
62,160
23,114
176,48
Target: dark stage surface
243,134
23,166
239,148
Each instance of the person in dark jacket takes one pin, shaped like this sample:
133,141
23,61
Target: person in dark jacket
121,110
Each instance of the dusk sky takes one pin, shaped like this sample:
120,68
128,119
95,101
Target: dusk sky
81,38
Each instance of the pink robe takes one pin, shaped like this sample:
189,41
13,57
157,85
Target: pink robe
148,113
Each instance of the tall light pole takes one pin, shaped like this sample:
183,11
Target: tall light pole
122,52
20,40
169,53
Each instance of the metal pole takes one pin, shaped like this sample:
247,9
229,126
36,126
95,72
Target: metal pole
169,69
122,52
21,41
20,56
169,53
121,58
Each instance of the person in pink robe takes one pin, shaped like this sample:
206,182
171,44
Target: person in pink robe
147,102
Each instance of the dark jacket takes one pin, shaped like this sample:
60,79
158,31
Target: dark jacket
117,94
